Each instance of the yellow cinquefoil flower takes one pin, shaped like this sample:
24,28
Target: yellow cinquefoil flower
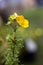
20,20
12,17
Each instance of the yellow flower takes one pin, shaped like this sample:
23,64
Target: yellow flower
12,17
22,21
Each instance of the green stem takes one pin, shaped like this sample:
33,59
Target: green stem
15,28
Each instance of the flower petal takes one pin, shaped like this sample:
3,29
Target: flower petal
25,24
19,18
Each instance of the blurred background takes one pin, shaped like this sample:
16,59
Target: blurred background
33,11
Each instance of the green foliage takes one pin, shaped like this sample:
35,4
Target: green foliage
6,30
